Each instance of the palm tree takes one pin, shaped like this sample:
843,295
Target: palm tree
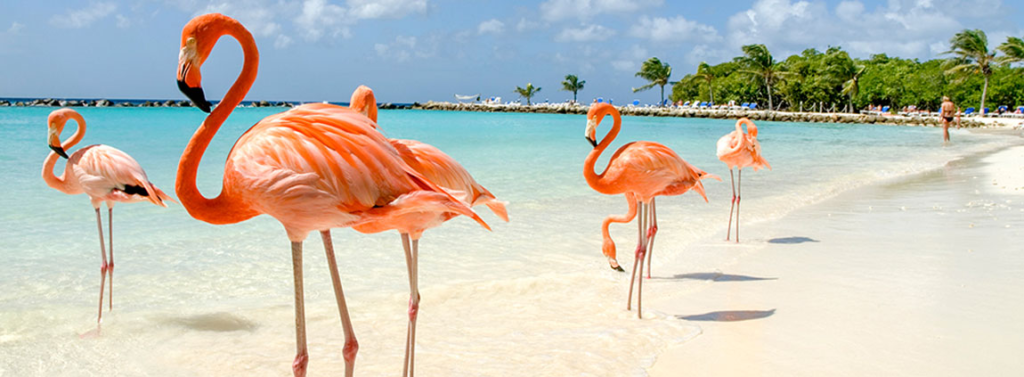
852,86
1013,50
527,92
972,56
761,66
704,73
572,84
657,73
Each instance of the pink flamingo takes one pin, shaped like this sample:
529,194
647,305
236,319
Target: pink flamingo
440,169
313,168
740,150
641,170
106,174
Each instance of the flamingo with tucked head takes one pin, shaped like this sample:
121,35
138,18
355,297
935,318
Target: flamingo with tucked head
738,149
642,170
106,175
313,168
440,169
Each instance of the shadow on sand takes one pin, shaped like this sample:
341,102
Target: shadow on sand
717,276
729,315
216,322
792,240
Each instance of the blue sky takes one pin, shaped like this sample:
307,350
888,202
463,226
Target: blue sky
418,50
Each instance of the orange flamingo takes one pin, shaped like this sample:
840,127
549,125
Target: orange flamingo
106,174
313,168
440,169
740,150
641,170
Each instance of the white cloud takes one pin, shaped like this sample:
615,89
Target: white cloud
676,29
79,18
282,41
493,26
409,42
319,18
15,28
385,8
405,47
590,33
906,28
257,16
630,59
556,10
624,65
525,25
123,22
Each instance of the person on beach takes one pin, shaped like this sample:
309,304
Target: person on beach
949,110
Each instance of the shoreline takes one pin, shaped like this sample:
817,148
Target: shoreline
752,301
563,108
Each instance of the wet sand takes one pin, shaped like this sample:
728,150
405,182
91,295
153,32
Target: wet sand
920,276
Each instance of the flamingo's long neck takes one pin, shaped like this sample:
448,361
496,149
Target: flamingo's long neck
595,180
227,207
61,183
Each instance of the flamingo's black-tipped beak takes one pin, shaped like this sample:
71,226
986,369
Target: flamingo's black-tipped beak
594,143
196,95
618,268
57,149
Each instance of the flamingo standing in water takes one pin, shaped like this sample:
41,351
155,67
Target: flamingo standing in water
313,168
738,149
642,170
106,174
440,169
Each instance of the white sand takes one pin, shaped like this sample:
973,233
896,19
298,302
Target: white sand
921,277
1006,171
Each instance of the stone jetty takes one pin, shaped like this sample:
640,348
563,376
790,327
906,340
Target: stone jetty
779,116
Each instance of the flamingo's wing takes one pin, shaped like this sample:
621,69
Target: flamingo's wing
108,170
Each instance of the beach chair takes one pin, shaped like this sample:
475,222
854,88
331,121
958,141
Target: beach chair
969,111
744,105
885,109
753,106
687,104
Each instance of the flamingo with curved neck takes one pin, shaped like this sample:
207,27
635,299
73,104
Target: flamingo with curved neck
106,175
642,170
739,150
444,171
313,168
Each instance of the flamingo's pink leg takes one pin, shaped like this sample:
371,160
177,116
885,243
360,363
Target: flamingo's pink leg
739,195
103,267
640,259
637,261
732,179
110,267
412,262
351,344
653,230
301,356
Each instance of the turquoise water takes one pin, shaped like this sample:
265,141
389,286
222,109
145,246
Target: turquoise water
197,298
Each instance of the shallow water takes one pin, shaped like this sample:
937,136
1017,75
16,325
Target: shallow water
532,297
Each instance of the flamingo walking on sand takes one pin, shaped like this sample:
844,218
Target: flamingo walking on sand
738,149
106,174
642,170
440,169
313,168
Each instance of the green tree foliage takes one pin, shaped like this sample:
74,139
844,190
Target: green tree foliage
528,92
1012,49
971,56
656,73
761,66
833,78
573,84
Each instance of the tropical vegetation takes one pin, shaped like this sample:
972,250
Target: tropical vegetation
656,73
971,75
573,84
528,92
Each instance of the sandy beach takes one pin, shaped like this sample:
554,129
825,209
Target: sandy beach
916,276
